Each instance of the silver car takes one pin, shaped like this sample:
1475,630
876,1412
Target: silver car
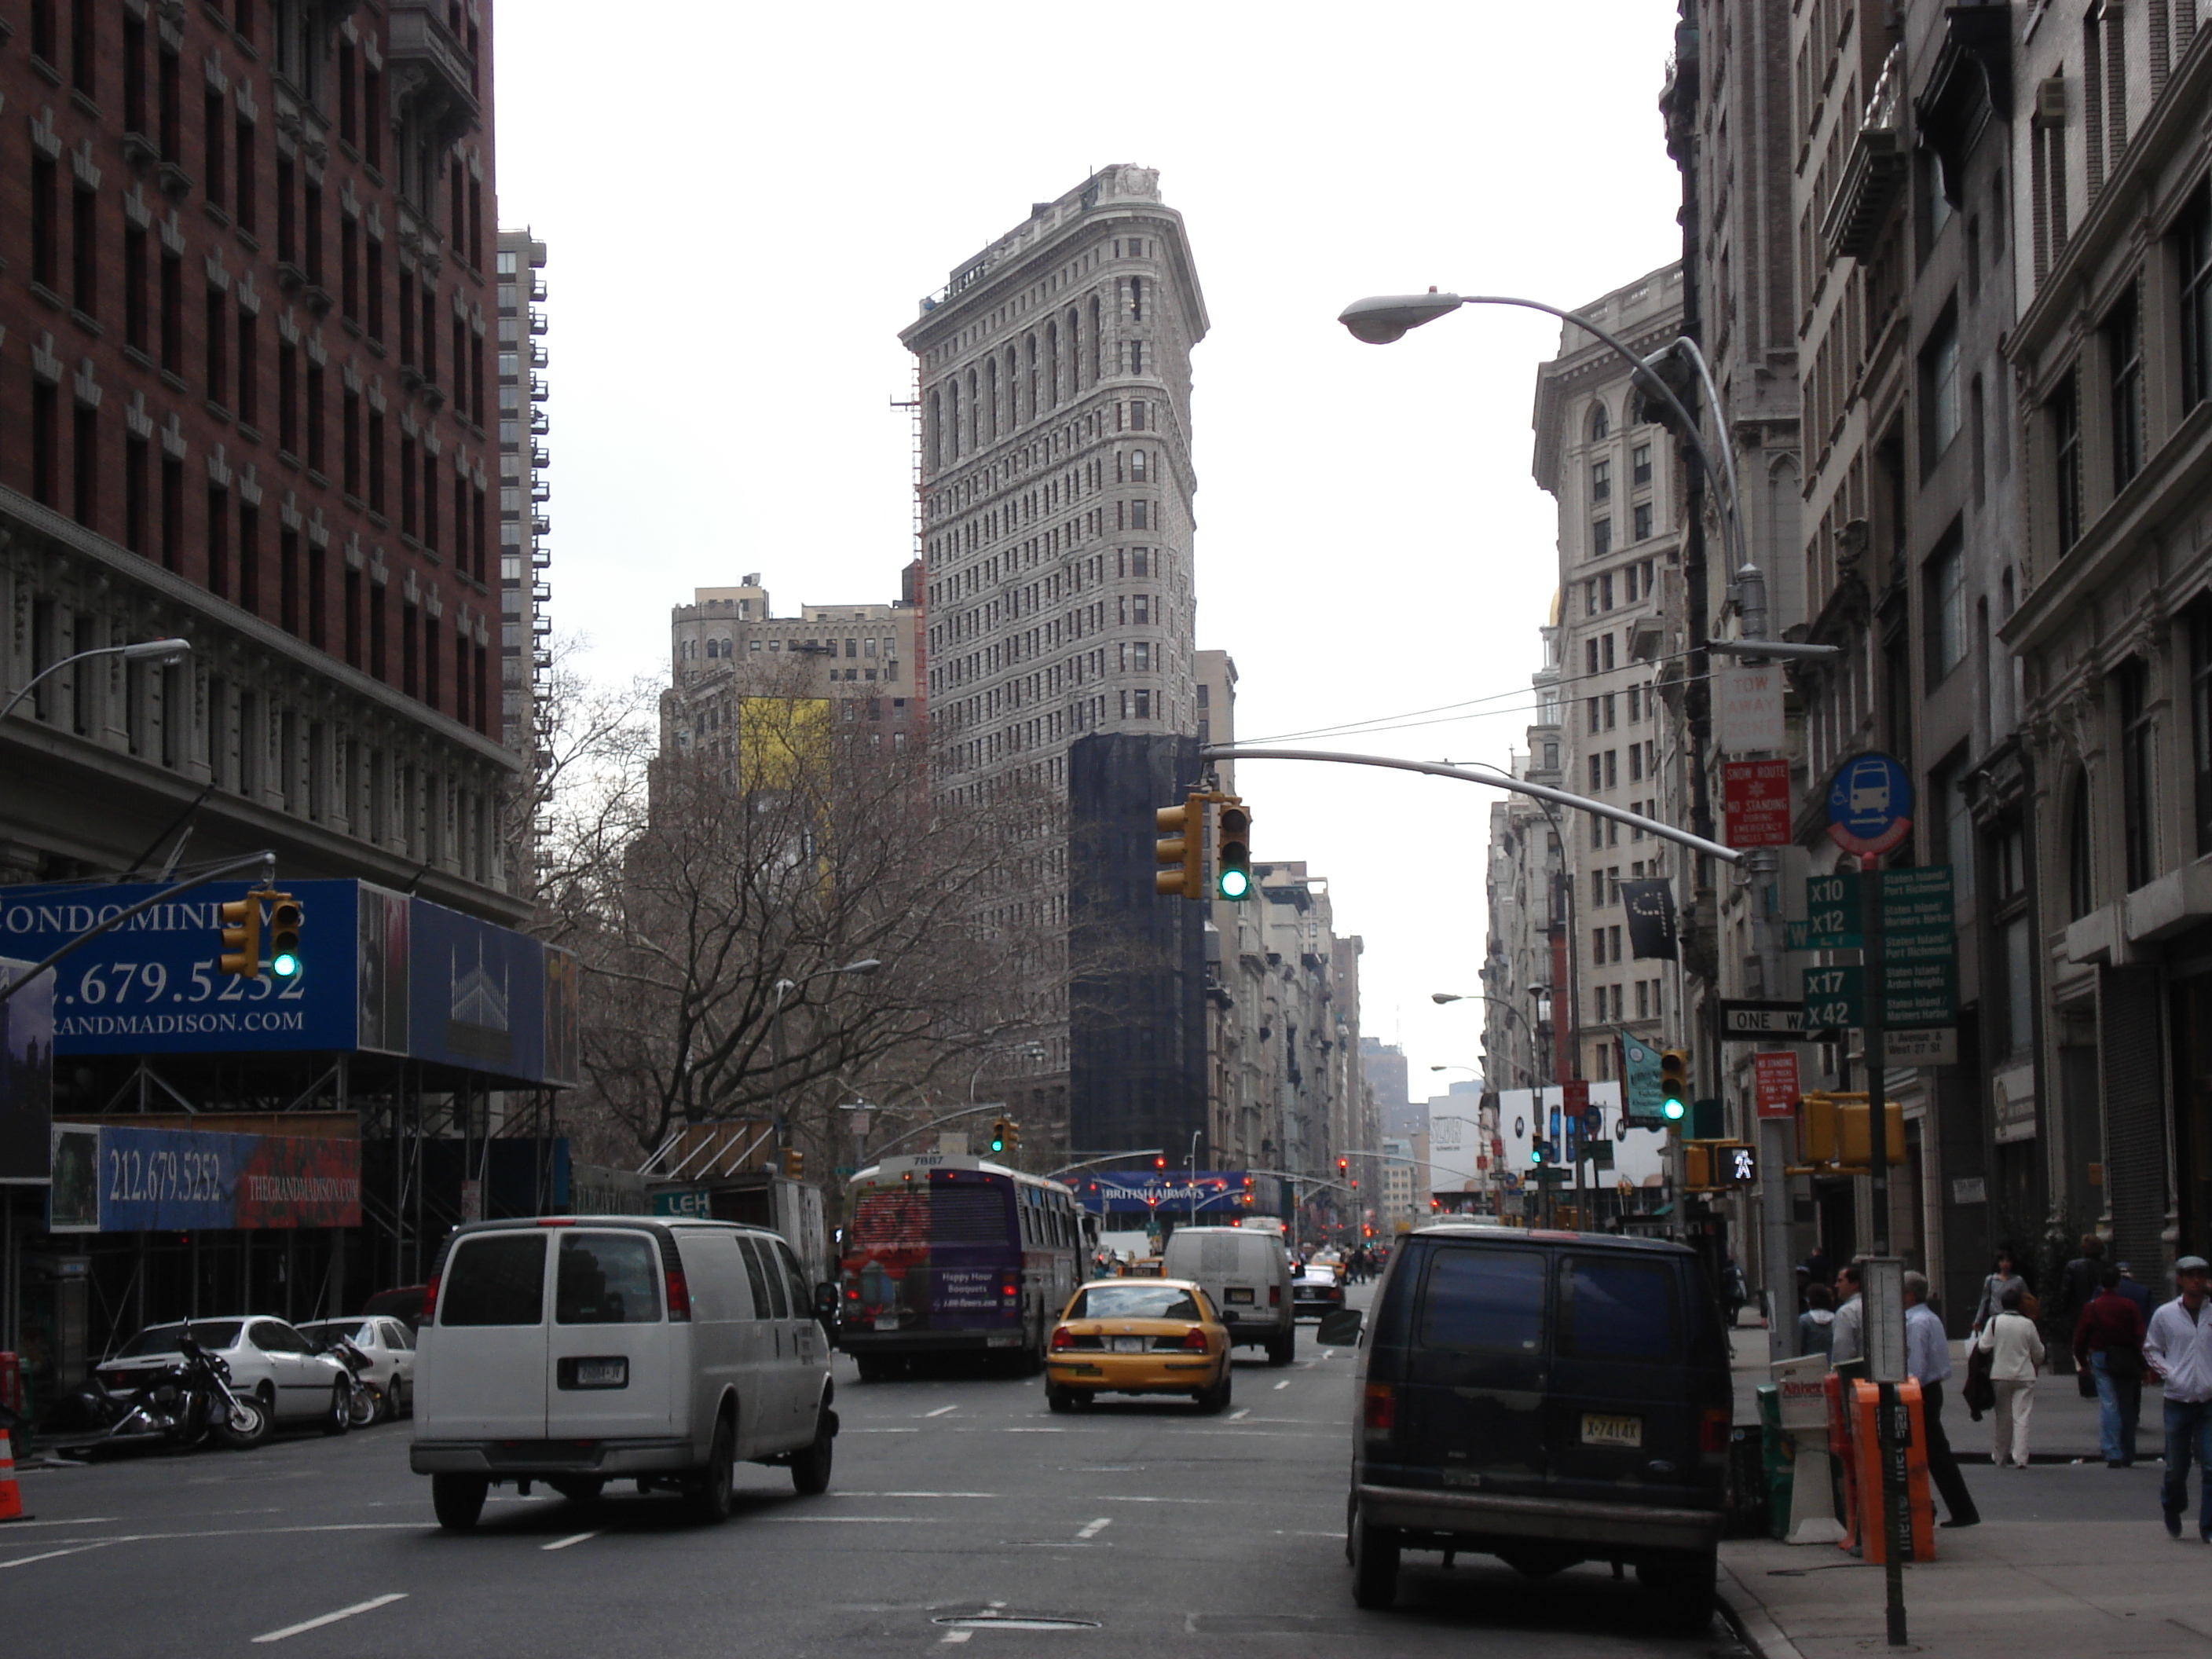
390,1350
268,1359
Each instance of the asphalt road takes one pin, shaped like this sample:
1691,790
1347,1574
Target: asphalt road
1148,1526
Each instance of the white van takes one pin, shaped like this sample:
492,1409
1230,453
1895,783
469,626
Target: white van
1245,1276
574,1350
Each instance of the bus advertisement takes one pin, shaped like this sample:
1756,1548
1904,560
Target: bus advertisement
944,1254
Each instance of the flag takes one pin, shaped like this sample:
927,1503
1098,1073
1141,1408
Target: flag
1650,918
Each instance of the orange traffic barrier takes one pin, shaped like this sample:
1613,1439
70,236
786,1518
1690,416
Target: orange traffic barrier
11,1496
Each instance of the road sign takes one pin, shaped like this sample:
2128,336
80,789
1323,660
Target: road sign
1920,992
1926,1045
1755,798
1774,1083
1869,804
1593,1124
1835,998
1640,1063
1749,708
1832,913
1762,1019
1574,1096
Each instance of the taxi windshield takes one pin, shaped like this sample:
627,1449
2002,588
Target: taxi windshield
1135,1302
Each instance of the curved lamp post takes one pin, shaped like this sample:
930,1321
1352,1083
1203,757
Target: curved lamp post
142,651
783,989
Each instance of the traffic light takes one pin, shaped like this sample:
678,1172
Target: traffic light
1005,1132
1180,851
1674,1084
1344,1166
794,1163
1232,851
285,916
1540,1153
1697,1166
1159,1163
239,922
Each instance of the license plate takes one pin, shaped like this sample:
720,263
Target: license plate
1128,1345
1599,1430
1238,1293
886,1321
603,1373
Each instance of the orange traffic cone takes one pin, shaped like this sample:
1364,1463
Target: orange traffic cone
11,1497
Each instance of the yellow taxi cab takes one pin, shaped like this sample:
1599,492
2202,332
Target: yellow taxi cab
1124,1336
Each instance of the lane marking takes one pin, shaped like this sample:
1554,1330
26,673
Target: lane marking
25,1561
844,1520
1284,1384
941,1411
1240,1414
1096,1527
563,1543
333,1618
954,1637
81,1521
913,1494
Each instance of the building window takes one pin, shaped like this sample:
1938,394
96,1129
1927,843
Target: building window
2200,718
2064,413
1642,522
2193,244
1939,389
2136,801
1946,607
1600,480
1600,538
1639,461
2080,868
1600,425
2124,350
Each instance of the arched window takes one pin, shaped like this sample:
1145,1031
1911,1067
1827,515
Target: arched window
974,416
1052,351
1137,467
1136,299
2081,862
991,381
936,432
1013,390
1095,359
1030,341
1600,423
952,412
1074,351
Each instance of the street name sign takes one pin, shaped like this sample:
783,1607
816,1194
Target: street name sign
1925,1045
1762,1019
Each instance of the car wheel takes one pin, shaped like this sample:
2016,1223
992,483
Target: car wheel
1215,1400
339,1418
1374,1553
873,1370
578,1488
1283,1347
459,1500
710,1489
1059,1399
1684,1588
809,1469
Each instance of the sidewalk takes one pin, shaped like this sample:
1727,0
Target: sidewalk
2071,1558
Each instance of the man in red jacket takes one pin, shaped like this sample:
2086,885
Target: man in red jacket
2108,1339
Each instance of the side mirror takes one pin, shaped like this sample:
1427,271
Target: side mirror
1341,1328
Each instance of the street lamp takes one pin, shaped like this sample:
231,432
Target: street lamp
1031,1050
142,651
1442,997
784,987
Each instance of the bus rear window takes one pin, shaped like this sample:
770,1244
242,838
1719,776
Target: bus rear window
1619,1308
499,1280
1485,1298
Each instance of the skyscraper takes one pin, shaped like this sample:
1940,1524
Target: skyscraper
1057,519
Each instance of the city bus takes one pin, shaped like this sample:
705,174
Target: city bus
943,1254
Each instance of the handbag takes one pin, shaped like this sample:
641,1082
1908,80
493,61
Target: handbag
1980,1394
2085,1382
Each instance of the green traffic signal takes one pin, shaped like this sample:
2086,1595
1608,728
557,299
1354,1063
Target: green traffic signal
285,916
1672,1109
1233,851
1538,1153
1236,883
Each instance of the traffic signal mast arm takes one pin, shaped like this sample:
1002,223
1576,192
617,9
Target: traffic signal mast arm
266,861
1492,778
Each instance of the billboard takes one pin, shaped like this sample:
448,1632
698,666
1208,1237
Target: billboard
384,973
177,1180
27,1077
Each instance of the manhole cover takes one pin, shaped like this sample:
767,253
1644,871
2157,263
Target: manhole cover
1013,1621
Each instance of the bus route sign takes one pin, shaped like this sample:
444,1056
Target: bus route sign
1869,804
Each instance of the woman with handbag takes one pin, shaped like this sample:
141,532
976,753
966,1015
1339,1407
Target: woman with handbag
1993,1289
2108,1342
2015,1349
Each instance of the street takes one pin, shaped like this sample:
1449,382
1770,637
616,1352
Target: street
954,1499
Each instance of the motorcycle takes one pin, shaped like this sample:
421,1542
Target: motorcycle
183,1403
364,1403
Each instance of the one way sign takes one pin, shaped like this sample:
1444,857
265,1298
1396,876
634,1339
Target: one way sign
1762,1019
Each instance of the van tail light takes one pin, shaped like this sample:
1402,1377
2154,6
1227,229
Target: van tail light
1061,1339
679,1297
1713,1434
430,1299
1195,1340
1275,1296
1379,1409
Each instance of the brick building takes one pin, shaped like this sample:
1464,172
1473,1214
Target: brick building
244,293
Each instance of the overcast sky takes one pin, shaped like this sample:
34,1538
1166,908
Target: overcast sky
744,205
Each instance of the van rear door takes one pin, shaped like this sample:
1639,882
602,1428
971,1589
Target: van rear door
613,1352
1623,1418
481,1367
1472,1404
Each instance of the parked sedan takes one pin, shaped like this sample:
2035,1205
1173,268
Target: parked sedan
267,1358
1316,1292
1154,1336
391,1351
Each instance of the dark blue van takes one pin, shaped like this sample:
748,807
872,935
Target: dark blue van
1548,1398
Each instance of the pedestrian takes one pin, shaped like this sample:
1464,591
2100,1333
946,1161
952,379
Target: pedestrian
1816,1326
2108,1344
1993,1289
1816,1269
1847,1340
1928,1362
2179,1349
2015,1349
2134,1291
2083,1276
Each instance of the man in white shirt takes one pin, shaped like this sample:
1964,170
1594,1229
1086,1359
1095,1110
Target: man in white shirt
2179,1349
1850,1341
1928,1362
